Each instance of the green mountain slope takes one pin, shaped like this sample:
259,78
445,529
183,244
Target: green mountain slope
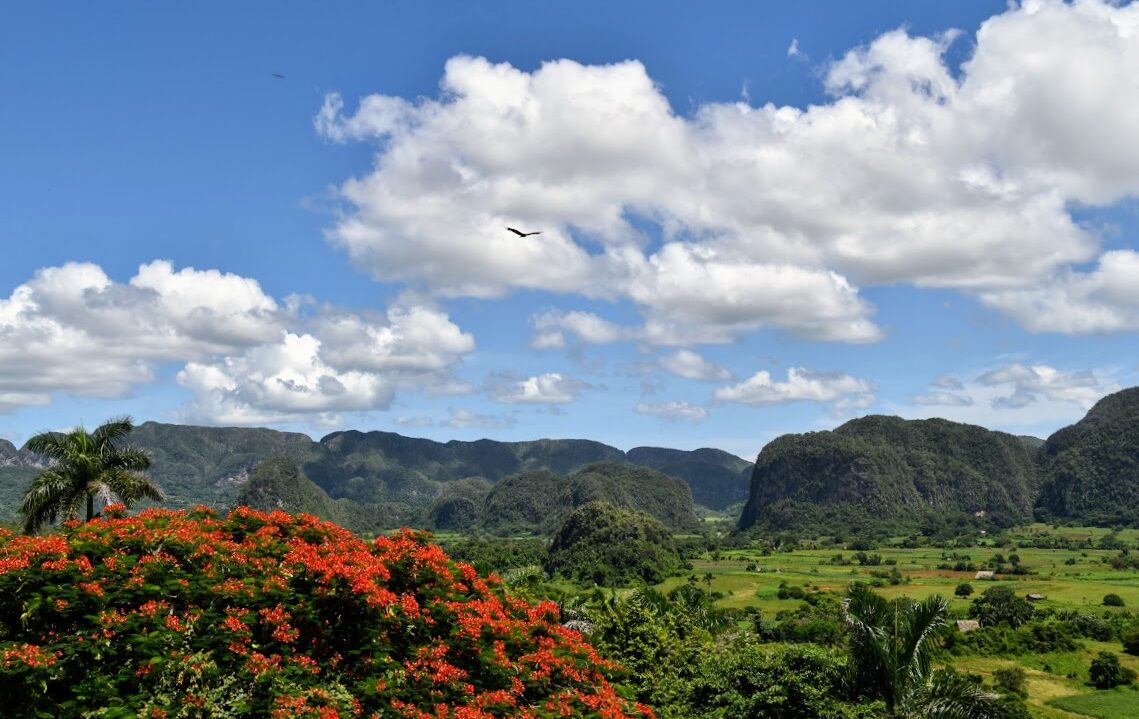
717,479
539,501
208,465
878,470
1090,470
279,483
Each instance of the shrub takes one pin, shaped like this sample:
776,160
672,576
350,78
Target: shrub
274,615
1131,642
1011,679
1106,672
1112,600
964,589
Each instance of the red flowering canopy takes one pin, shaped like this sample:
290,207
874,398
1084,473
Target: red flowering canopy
187,614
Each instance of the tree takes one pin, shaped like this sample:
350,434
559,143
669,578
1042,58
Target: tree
85,467
891,644
1000,605
964,589
1106,672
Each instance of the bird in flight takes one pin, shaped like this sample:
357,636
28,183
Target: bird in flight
278,75
522,234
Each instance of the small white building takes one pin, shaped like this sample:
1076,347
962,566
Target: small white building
984,574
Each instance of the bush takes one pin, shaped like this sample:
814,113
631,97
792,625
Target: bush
964,589
1106,672
274,615
1011,679
1131,643
1112,600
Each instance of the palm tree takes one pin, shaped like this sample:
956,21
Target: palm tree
85,467
890,650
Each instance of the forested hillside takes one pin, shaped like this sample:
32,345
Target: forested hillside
1090,470
878,470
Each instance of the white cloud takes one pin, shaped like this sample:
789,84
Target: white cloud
248,359
72,329
793,49
466,419
1103,300
672,411
1029,383
843,391
1021,398
551,327
770,216
688,364
549,388
344,362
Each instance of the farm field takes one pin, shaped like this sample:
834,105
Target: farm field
1057,683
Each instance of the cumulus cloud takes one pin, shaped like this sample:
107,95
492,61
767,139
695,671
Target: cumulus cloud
688,364
1103,300
466,419
1030,383
768,216
842,390
72,329
672,411
248,359
548,388
552,326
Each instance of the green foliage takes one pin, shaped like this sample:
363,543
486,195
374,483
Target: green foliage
891,649
878,472
1106,672
1112,600
601,544
1090,470
86,468
963,589
1011,679
1131,642
793,682
497,554
1001,605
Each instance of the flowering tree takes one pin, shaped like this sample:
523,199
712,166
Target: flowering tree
185,614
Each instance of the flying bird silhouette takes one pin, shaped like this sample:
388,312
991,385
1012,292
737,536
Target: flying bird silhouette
522,234
278,75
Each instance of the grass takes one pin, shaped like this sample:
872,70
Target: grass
1108,704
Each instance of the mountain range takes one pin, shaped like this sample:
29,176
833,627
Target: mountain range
407,479
870,472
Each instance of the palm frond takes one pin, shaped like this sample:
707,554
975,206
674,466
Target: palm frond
46,499
107,434
130,487
922,620
950,695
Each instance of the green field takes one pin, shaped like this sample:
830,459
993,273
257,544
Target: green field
1113,704
1057,683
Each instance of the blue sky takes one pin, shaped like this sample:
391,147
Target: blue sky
756,219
